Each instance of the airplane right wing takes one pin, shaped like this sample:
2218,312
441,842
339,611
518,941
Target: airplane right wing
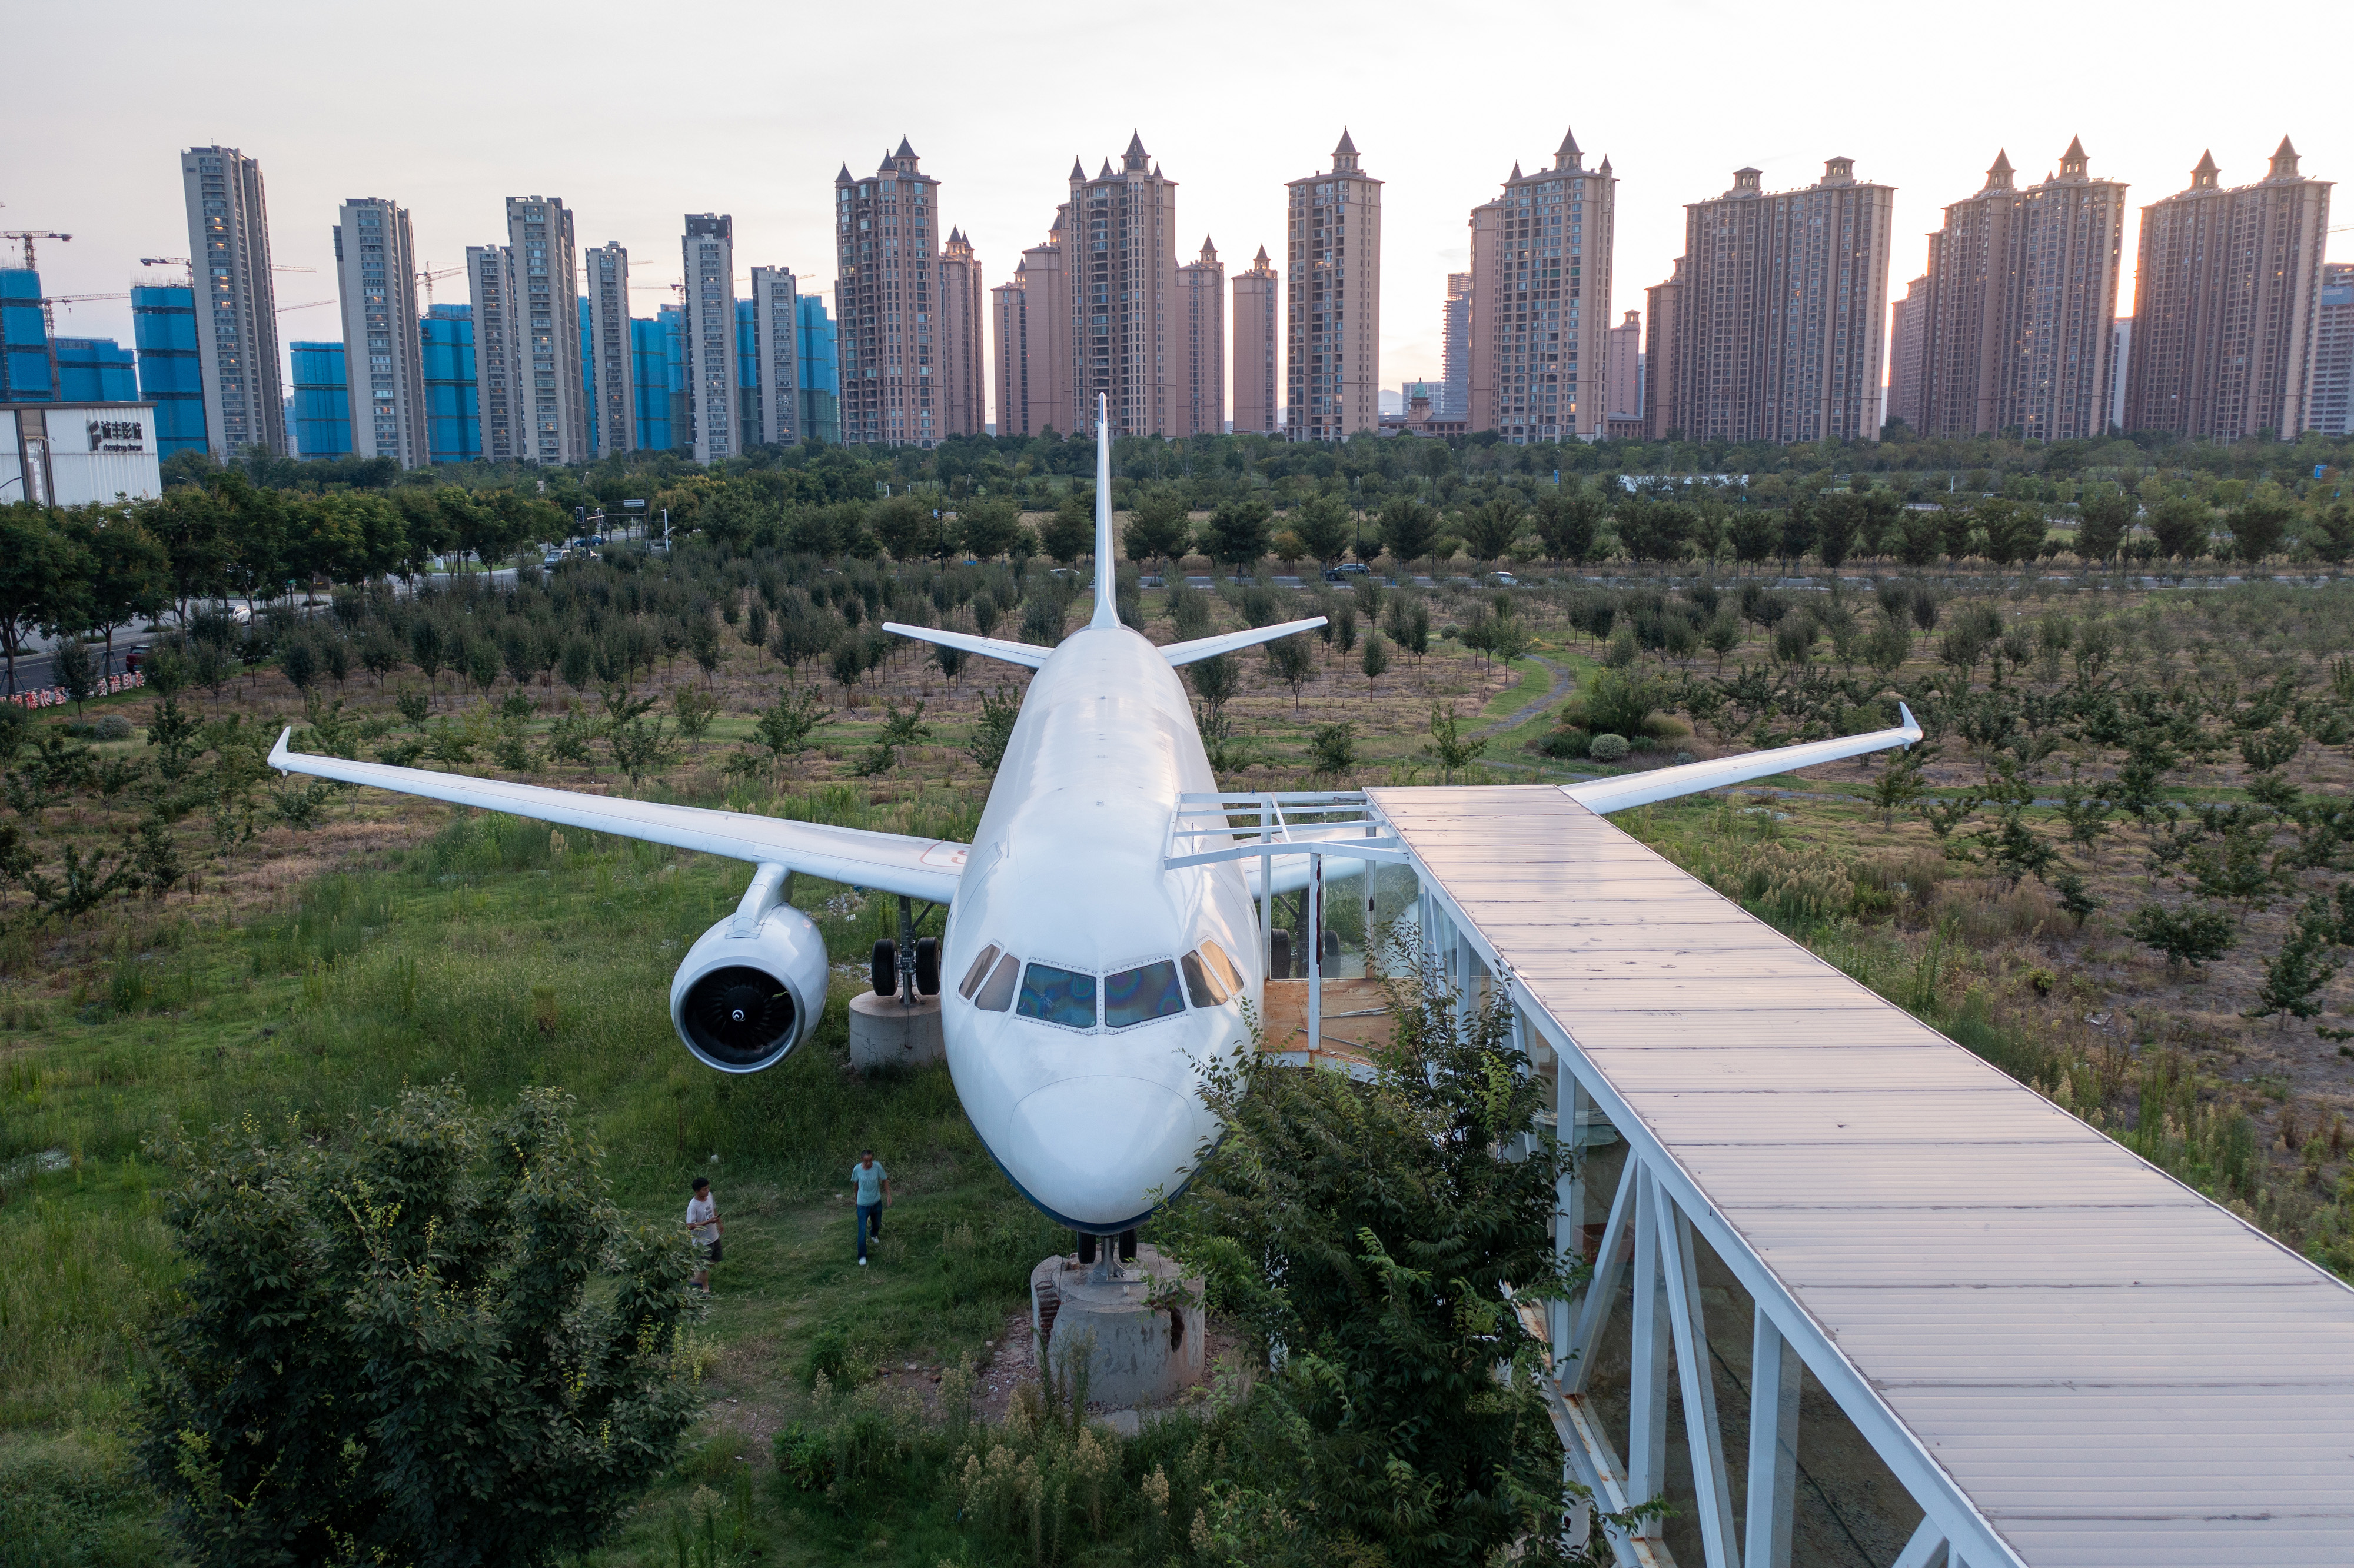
1605,795
1227,642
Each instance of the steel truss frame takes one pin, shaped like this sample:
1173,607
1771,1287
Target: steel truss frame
1655,1217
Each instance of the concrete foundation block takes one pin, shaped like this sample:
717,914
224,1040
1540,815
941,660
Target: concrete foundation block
886,1033
1137,1352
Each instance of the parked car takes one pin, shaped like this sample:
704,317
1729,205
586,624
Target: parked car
1346,570
1503,579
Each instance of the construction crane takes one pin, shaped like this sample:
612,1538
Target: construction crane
26,238
429,276
184,261
305,306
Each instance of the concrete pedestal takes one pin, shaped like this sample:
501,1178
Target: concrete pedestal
1139,1353
886,1033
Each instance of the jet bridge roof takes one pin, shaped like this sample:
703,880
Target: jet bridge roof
2110,1369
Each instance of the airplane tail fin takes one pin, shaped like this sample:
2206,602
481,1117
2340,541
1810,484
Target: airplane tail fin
1106,577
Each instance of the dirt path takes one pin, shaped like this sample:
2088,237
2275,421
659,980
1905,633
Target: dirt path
1562,681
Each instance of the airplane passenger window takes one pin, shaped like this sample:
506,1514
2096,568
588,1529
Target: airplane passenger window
1213,958
1207,992
998,994
1058,995
980,967
1141,995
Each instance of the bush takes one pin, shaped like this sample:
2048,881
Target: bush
804,1457
1607,747
1565,742
1618,703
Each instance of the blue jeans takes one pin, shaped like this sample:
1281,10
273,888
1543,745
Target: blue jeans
870,1221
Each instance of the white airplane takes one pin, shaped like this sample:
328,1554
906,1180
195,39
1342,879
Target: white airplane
1093,986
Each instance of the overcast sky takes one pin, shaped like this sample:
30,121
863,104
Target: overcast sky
635,115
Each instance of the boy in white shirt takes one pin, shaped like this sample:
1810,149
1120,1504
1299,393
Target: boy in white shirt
703,1224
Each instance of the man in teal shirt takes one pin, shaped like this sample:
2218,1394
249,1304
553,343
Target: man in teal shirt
871,1185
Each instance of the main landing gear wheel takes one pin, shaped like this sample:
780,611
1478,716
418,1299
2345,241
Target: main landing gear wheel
927,966
885,968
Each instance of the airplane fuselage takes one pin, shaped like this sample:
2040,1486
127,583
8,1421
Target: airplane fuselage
1082,1070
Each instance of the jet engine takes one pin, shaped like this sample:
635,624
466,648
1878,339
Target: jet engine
753,985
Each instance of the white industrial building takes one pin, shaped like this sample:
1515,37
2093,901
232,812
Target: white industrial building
68,454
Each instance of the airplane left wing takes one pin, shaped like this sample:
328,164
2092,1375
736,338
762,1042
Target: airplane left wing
1607,795
892,863
1029,655
1201,647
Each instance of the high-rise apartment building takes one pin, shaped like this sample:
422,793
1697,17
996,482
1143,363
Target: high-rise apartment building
1908,343
1257,314
1455,350
526,305
887,252
707,336
236,313
1541,301
495,352
960,362
2226,304
1119,250
321,415
1662,318
2023,289
776,357
1201,343
2331,406
1782,310
375,270
1009,322
1626,382
612,373
1332,301
820,384
544,272
453,410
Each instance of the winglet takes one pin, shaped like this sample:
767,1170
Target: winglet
1107,579
1912,725
277,753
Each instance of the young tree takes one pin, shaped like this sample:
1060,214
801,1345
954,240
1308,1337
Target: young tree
906,527
1449,745
2101,523
1000,708
988,528
1289,661
2180,525
1569,520
1490,528
369,1326
1158,527
2193,935
1372,1231
2295,976
1070,533
1376,657
1321,523
41,577
1236,535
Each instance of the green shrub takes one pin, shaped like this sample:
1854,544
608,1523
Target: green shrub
1569,741
1607,747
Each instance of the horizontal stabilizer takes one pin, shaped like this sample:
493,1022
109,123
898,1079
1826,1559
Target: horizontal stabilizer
1605,795
893,862
1029,655
1211,647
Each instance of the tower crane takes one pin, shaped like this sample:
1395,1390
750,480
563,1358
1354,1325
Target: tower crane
429,276
25,237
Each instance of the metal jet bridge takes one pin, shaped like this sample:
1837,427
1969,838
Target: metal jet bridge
1858,1295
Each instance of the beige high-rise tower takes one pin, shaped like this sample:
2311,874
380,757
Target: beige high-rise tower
1782,310
1120,243
1541,301
2226,303
543,283
707,334
1049,361
1663,314
773,417
960,368
1626,384
1908,342
612,378
1009,324
1200,344
2023,289
887,252
1332,301
1257,315
375,269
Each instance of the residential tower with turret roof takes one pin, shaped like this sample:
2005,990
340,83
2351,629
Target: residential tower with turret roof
1201,343
1540,302
2226,300
886,288
2014,331
1258,314
1332,301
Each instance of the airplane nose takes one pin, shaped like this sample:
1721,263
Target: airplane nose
1094,1149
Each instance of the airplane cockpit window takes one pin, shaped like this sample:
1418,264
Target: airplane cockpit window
1058,995
1141,995
998,994
973,976
1210,975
